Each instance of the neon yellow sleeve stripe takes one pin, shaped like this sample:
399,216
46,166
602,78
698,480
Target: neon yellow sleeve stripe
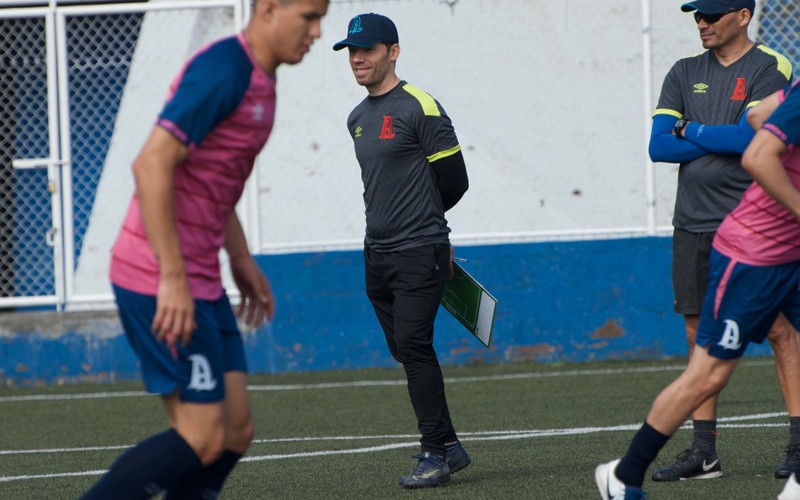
670,112
750,105
444,154
429,106
784,65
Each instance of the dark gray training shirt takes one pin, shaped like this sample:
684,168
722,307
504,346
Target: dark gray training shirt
700,89
397,136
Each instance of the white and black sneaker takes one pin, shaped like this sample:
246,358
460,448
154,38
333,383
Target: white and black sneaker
791,490
692,464
611,488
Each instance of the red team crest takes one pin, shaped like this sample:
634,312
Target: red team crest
740,92
386,130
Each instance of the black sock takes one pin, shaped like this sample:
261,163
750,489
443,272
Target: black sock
705,435
151,466
794,431
643,449
210,484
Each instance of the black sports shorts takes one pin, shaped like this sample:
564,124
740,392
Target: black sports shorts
691,253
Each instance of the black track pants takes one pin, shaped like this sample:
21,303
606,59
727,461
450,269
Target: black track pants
405,289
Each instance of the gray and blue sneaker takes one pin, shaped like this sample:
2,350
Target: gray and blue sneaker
693,463
457,457
431,470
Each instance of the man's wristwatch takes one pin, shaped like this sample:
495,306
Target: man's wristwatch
677,129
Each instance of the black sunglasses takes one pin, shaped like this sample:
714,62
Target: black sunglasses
710,18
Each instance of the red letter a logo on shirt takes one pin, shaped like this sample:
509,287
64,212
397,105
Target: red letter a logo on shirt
386,130
739,93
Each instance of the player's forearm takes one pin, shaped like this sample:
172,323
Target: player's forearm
773,178
154,170
759,113
762,160
154,189
235,240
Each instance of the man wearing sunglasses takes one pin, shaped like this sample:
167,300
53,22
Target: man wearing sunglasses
700,122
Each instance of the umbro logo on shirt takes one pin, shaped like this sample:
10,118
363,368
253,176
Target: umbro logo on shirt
387,132
700,88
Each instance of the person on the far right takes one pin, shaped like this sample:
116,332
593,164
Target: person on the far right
700,122
755,276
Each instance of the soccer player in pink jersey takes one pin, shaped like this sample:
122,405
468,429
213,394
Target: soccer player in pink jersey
165,266
755,276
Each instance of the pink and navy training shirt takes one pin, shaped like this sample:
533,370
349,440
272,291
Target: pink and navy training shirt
222,107
760,231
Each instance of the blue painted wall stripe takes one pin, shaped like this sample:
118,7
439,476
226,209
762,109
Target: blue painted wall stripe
558,301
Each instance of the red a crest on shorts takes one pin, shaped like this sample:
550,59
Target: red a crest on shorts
740,92
386,130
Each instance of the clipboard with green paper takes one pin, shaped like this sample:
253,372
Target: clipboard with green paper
470,303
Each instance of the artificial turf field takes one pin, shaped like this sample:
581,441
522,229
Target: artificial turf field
533,431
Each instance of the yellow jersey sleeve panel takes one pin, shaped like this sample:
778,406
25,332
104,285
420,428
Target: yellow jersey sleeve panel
429,106
784,65
664,111
754,103
444,154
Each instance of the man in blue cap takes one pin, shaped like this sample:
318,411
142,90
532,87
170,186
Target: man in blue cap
701,123
413,172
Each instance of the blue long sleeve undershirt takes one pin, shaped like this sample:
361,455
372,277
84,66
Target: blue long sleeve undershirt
699,139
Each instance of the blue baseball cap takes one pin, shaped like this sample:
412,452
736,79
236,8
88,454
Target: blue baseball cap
719,6
366,30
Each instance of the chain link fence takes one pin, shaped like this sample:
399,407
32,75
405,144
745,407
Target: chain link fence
780,28
99,55
26,260
100,45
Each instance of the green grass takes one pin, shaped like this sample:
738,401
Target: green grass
582,403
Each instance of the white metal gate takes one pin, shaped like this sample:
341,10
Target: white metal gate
63,76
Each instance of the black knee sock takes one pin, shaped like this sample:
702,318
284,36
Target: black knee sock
643,449
794,431
151,466
705,435
210,484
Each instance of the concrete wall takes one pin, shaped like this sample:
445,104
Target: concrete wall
558,301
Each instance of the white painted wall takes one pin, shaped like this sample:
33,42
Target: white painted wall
547,99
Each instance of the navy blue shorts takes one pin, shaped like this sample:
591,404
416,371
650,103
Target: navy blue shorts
742,303
196,370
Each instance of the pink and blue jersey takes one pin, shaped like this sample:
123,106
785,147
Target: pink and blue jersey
760,231
222,107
